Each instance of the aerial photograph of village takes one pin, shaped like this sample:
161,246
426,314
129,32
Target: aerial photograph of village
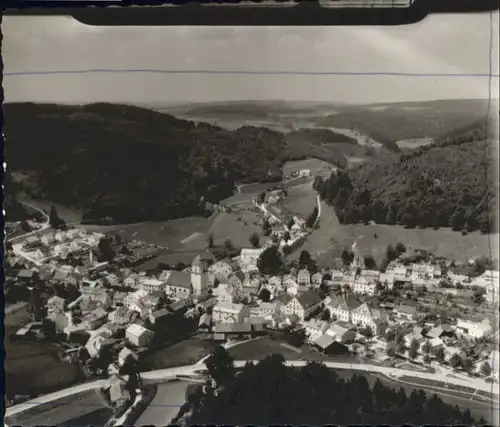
192,237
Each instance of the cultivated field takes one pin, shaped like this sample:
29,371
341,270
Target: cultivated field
85,408
166,404
182,353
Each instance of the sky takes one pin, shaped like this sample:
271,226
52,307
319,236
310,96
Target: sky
440,44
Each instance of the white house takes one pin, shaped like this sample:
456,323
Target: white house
473,329
315,328
342,307
138,335
152,285
48,239
304,277
221,270
364,286
369,317
248,259
229,313
301,305
178,284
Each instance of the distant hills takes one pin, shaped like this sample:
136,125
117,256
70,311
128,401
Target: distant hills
450,183
387,123
128,164
390,123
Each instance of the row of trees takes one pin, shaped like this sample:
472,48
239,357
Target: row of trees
278,393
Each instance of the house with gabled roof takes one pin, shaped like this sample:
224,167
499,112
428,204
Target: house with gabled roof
315,328
304,277
317,278
302,304
178,284
342,306
371,317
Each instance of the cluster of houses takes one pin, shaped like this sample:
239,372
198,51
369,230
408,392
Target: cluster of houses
118,306
51,245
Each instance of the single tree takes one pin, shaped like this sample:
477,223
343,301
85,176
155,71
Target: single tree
426,348
265,295
390,334
290,223
347,257
210,240
370,263
439,353
269,261
54,220
220,366
305,259
367,332
25,227
311,219
427,359
455,361
254,240
400,248
266,228
391,349
228,244
390,253
486,369
414,346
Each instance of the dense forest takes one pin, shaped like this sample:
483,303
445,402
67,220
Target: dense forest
14,211
270,393
131,164
449,183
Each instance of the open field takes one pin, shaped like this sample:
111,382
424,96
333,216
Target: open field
85,408
182,353
236,226
328,242
260,348
23,362
35,368
166,404
69,215
301,200
412,144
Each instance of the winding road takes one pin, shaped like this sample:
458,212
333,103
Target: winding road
44,226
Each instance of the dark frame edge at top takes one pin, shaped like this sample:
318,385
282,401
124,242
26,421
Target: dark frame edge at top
192,13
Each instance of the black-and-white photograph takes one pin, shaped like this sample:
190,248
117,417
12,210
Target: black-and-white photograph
251,225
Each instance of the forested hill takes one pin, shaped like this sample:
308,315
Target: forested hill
450,183
132,164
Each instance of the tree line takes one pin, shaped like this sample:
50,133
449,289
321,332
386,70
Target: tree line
270,393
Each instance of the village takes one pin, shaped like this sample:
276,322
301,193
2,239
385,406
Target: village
85,294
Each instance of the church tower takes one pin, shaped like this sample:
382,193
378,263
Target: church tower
198,282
